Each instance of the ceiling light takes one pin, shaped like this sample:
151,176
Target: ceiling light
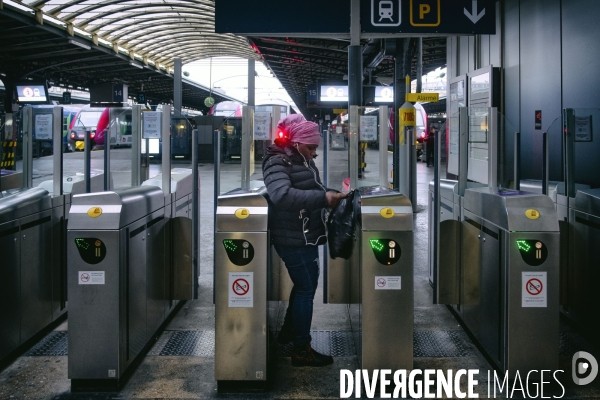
134,64
83,46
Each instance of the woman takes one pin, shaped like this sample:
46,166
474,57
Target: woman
297,200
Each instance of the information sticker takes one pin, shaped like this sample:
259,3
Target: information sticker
91,277
388,282
534,291
241,289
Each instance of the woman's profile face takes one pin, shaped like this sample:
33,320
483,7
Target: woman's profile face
309,151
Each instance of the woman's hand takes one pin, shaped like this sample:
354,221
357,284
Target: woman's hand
333,198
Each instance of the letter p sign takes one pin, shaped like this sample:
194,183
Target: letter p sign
425,12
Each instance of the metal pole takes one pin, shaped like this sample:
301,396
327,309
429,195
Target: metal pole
569,135
545,163
353,119
177,85
216,192
492,148
195,210
518,160
436,214
57,151
136,144
166,149
420,65
247,146
107,136
383,146
87,159
251,82
27,147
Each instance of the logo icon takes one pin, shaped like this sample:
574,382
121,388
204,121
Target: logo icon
385,12
585,368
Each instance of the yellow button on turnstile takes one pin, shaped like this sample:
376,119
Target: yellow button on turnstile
532,214
94,212
386,212
242,213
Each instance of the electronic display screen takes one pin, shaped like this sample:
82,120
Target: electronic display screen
533,252
32,93
334,93
91,250
384,94
386,251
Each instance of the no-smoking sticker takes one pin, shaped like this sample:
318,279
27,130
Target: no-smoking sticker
92,277
241,293
533,293
388,282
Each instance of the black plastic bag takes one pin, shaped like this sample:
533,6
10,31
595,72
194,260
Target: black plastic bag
340,228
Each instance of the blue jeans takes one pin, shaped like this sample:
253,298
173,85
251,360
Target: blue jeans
302,264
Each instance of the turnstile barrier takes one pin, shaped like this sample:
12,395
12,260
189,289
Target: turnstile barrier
385,240
119,280
241,258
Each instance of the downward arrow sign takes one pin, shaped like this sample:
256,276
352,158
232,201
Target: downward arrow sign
473,16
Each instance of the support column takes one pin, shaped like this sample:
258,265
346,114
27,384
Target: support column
401,69
177,87
251,83
420,65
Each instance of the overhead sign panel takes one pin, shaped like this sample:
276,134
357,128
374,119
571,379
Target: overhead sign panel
282,17
422,97
315,17
428,16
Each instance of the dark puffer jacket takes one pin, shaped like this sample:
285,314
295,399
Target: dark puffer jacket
296,198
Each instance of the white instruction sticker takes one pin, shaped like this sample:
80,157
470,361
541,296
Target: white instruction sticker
91,277
241,291
534,289
387,283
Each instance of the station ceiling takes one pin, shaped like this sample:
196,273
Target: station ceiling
78,43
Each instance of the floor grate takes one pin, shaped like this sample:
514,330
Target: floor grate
571,342
190,344
439,344
54,344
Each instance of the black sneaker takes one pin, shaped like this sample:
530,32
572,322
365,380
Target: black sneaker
285,335
306,356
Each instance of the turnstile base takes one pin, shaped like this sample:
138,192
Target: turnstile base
241,386
97,385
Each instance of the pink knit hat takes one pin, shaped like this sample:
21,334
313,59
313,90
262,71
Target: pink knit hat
306,132
285,123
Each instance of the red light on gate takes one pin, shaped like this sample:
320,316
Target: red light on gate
281,134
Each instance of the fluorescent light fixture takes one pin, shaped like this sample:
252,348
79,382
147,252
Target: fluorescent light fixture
83,46
134,64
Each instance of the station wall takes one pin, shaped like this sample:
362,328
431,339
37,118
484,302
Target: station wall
548,53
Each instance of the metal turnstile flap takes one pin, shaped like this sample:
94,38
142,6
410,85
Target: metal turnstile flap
382,209
74,183
242,211
181,182
588,201
448,188
15,204
114,210
513,210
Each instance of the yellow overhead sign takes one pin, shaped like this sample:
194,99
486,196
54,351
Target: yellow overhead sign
340,110
422,97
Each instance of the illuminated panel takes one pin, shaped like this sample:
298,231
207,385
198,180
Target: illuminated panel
91,250
386,251
239,251
533,252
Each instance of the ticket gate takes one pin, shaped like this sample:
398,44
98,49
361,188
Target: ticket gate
241,321
498,264
509,292
120,282
385,239
30,278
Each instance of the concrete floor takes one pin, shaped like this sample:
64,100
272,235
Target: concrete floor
192,377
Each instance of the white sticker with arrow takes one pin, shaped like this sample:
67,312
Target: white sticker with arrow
473,16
